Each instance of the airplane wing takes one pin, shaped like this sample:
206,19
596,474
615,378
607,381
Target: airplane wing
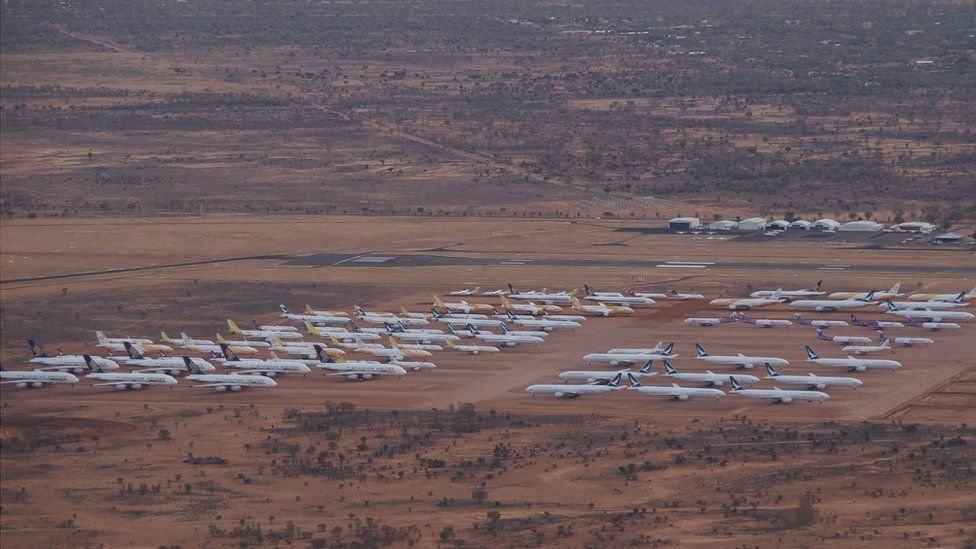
213,385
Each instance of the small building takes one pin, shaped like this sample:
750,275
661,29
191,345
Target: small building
684,223
723,225
800,225
752,224
778,225
825,225
861,226
914,227
947,238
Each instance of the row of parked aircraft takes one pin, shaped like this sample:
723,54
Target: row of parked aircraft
810,299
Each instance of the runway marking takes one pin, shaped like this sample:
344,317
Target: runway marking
831,269
341,261
689,263
372,259
673,266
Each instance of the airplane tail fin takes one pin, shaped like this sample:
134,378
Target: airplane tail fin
101,337
731,318
450,330
960,298
511,316
400,327
191,367
433,311
36,349
971,293
511,289
133,352
472,329
309,309
320,353
701,350
504,328
895,289
817,287
438,301
869,296
736,386
233,327
577,306
668,368
404,311
284,310
771,371
882,336
589,291
394,342
616,380
229,353
166,338
449,343
360,311
646,368
891,306
632,379
312,329
822,336
92,365
811,354
667,350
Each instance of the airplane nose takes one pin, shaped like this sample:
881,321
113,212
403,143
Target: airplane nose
72,378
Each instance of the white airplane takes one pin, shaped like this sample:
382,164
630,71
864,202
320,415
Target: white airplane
543,324
934,326
833,304
262,334
934,316
790,295
542,297
318,318
303,349
310,311
414,346
256,366
600,377
183,339
765,322
404,312
464,292
874,323
165,365
870,295
528,333
376,318
508,340
616,298
708,378
842,339
66,363
463,306
865,349
602,309
710,321
246,350
241,343
963,296
626,359
35,379
465,320
819,323
361,370
341,334
851,363
413,365
686,297
575,390
419,336
471,349
659,348
391,353
812,381
675,391
740,360
277,328
126,380
651,295
776,394
742,304
905,341
232,382
115,344
530,308
494,293
926,305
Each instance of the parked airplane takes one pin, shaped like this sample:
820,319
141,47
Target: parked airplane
419,336
905,341
463,306
530,308
543,324
246,350
126,380
834,304
660,348
626,359
851,363
708,378
790,295
413,365
575,390
303,349
966,296
360,370
651,295
819,323
183,338
165,365
765,322
935,316
875,323
414,346
812,381
232,382
376,318
927,305
392,353
310,311
115,344
601,377
675,391
865,349
740,360
710,321
262,334
602,309
66,363
317,318
464,292
508,340
842,339
529,333
776,394
616,298
686,297
269,368
341,334
472,349
742,304
242,343
870,295
540,297
934,326
35,379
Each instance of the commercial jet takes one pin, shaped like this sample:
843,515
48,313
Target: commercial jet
575,390
543,324
303,349
463,306
376,318
686,297
542,297
874,323
341,334
310,311
170,365
819,322
934,316
740,360
424,336
743,304
256,366
246,350
243,343
530,308
842,339
508,340
616,298
765,322
602,377
464,292
35,379
964,296
927,305
232,382
675,391
471,349
183,339
626,359
115,344
710,321
657,348
126,380
851,363
905,341
602,309
934,326
812,381
414,346
790,295
360,370
66,363
262,333
316,318
776,394
865,349
834,304
708,378
868,296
